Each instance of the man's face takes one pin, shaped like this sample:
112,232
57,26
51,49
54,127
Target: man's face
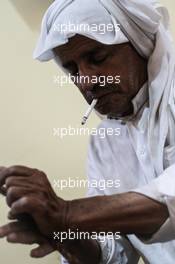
82,56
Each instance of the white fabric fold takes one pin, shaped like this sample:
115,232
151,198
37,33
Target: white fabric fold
65,19
145,23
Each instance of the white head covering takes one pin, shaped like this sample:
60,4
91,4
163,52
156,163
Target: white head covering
66,18
145,25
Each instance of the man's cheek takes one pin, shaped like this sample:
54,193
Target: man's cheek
118,103
86,96
121,100
105,109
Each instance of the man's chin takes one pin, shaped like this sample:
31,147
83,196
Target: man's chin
115,112
112,115
109,113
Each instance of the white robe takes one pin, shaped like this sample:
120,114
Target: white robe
126,158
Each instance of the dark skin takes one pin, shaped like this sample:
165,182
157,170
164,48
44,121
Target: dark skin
29,192
87,57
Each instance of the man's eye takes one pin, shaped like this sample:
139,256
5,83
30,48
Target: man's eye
99,58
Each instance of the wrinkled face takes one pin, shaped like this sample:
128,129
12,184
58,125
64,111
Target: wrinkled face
82,57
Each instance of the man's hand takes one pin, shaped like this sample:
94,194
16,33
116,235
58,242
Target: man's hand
28,191
26,233
30,196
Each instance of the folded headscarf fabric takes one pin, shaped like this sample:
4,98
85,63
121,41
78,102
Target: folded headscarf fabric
64,19
146,25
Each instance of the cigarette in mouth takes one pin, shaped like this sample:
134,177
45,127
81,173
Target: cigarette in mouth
88,112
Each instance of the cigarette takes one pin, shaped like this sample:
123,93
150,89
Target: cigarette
88,112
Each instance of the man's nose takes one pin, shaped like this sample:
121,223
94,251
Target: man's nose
88,77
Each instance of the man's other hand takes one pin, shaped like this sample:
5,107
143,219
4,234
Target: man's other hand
28,191
26,233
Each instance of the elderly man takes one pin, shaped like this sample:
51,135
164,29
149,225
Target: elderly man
142,105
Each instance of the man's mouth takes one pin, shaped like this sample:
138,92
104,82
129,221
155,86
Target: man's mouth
101,92
103,99
100,96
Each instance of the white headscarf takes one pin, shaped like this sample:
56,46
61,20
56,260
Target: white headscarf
80,12
145,25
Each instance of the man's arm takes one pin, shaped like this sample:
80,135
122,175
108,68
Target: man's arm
75,251
128,213
28,191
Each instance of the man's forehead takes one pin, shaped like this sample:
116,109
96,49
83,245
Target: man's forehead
77,45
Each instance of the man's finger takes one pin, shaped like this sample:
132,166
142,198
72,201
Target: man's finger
25,237
26,205
41,251
15,170
2,168
12,227
18,181
2,189
15,193
10,216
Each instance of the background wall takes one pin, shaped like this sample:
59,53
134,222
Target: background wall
31,106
